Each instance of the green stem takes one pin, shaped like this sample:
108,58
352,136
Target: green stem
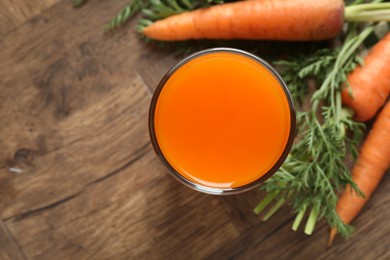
273,209
347,51
283,171
339,110
330,188
315,101
298,219
265,201
374,12
345,54
311,222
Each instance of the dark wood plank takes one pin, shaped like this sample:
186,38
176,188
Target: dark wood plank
240,209
139,213
153,66
86,146
9,249
14,13
52,79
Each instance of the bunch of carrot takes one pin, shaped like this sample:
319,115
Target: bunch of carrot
370,87
308,20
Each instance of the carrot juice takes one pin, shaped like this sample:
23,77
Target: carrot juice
222,121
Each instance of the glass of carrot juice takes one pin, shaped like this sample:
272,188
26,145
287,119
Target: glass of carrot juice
222,121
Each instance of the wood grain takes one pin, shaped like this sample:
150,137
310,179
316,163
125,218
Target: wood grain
48,87
283,243
78,176
9,249
14,13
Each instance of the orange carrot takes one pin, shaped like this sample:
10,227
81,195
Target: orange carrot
373,161
370,84
259,19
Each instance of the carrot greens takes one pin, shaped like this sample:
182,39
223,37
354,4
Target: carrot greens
315,171
126,13
152,10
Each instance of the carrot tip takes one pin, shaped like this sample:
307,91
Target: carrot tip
332,235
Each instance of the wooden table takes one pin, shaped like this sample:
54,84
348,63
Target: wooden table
78,176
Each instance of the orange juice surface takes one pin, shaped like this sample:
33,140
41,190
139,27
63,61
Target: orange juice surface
222,120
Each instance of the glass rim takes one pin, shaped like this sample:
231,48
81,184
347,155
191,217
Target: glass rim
200,187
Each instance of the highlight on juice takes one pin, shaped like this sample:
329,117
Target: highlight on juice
222,121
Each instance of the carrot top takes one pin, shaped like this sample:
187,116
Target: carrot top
315,170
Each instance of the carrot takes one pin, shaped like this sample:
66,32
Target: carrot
373,161
259,19
370,84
